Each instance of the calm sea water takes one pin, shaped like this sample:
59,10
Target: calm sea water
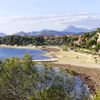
14,52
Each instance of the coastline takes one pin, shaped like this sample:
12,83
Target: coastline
67,60
45,48
85,65
58,56
22,47
75,58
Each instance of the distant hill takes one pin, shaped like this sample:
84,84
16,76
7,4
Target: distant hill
2,34
33,33
46,32
76,29
42,33
21,33
52,33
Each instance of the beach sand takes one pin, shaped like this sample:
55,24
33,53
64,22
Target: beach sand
75,58
58,56
82,63
22,47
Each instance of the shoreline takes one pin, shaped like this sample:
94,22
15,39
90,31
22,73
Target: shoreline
75,58
18,47
58,56
85,65
89,72
50,59
89,76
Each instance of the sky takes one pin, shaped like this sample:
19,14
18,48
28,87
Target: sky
35,15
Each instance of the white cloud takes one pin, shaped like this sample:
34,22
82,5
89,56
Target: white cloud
21,23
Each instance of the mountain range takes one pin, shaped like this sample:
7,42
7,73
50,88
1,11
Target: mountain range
76,29
42,33
2,34
68,30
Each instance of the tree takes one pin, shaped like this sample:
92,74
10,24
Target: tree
97,47
22,79
17,78
98,29
38,40
90,43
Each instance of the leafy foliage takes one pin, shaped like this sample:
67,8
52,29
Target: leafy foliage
23,79
86,40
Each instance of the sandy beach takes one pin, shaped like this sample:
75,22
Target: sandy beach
58,56
81,63
84,64
75,58
22,47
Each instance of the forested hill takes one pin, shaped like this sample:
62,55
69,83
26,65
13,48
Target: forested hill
86,40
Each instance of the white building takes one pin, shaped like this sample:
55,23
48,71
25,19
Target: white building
98,40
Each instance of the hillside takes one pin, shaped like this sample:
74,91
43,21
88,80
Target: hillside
46,32
2,34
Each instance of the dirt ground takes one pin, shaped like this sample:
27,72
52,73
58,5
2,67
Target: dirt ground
89,76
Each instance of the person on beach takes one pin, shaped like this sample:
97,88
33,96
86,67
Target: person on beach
95,58
77,57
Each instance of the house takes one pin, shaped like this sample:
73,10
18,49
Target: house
79,41
98,40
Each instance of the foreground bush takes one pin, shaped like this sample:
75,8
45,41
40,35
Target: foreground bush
22,79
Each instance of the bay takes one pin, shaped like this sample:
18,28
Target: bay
19,52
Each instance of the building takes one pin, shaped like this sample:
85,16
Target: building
79,41
98,40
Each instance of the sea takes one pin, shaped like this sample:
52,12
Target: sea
36,54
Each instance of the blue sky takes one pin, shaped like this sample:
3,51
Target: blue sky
30,15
